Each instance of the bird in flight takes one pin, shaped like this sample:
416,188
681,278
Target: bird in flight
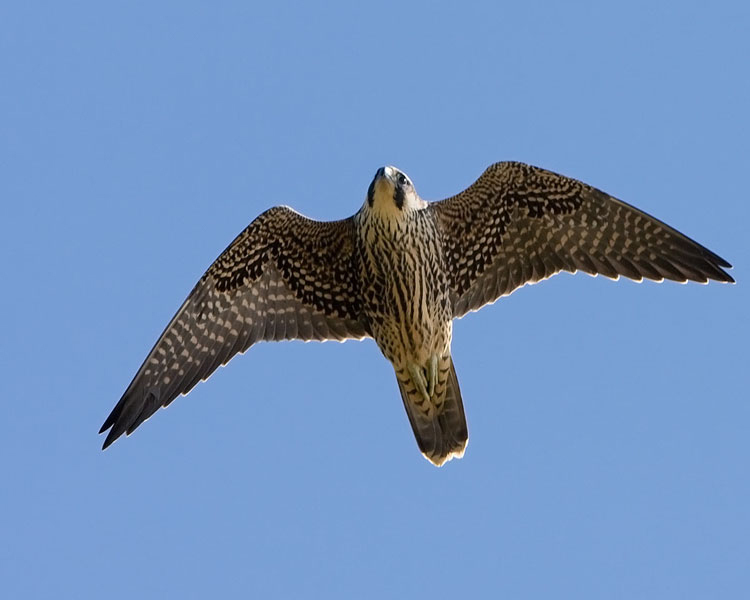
400,271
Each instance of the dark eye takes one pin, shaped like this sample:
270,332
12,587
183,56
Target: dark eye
402,180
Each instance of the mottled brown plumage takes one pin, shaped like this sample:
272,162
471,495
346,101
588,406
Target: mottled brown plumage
407,308
284,277
399,271
519,224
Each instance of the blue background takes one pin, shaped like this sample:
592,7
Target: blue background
609,421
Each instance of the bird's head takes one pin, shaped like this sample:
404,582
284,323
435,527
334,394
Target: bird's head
392,193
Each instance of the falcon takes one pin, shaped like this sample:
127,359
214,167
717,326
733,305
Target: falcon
400,271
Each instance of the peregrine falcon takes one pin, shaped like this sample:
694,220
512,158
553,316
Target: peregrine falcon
399,271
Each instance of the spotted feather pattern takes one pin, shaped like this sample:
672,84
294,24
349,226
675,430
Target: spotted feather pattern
284,277
519,224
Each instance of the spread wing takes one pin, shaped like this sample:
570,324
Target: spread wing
284,277
519,224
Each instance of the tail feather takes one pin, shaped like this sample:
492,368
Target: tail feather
443,434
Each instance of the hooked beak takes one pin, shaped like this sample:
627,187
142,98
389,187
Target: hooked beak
384,180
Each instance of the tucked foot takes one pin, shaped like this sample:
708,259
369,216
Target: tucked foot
420,381
432,374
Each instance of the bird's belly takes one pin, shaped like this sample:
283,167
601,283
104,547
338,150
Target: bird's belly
411,320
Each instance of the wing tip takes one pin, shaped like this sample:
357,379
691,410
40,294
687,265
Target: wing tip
125,416
110,439
114,431
718,266
725,277
109,425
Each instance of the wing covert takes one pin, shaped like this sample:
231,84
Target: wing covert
284,277
520,224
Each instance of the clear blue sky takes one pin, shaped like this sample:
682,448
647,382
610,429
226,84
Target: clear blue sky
609,421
